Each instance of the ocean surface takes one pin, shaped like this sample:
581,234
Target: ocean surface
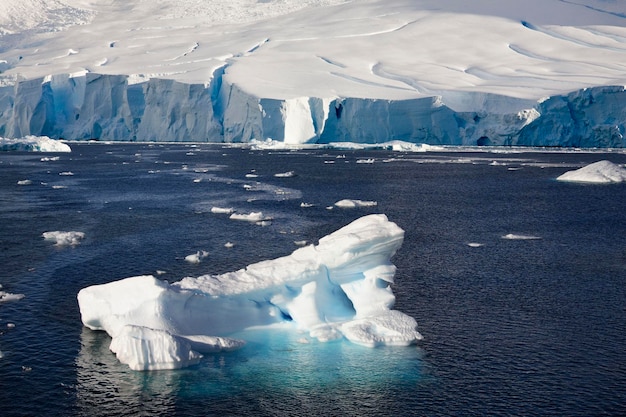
533,325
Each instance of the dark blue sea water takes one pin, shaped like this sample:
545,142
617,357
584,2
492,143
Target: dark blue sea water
511,327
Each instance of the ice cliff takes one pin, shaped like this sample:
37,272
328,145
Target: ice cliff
118,108
545,72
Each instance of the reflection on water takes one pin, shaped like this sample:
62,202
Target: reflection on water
103,383
275,371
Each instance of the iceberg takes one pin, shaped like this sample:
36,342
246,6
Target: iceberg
601,172
33,144
339,288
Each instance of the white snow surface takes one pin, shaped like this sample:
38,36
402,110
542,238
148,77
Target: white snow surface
33,144
338,288
601,172
458,72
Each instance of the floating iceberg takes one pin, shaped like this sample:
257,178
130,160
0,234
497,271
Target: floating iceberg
33,144
338,288
601,172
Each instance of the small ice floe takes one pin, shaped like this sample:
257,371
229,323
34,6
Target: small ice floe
197,180
58,187
287,174
306,205
229,245
7,296
601,172
365,161
49,158
300,242
329,162
252,175
346,203
475,245
24,182
254,217
196,258
64,238
222,210
160,272
10,325
512,236
66,173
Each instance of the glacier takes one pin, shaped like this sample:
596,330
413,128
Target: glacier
339,288
113,108
434,72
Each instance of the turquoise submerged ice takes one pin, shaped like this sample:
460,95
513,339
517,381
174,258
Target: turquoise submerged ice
337,289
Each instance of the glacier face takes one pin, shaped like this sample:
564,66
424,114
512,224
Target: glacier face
117,108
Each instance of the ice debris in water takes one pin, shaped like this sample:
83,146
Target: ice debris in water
7,296
64,238
347,203
196,258
513,236
339,288
601,172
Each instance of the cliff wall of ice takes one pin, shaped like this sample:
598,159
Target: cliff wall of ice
116,108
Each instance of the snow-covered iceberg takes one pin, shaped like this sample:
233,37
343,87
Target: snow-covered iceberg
601,172
33,144
338,288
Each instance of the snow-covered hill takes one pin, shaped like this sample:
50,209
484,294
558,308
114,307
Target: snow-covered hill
486,72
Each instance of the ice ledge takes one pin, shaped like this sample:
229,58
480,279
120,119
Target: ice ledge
118,108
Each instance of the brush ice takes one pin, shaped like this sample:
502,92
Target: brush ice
601,172
33,144
338,288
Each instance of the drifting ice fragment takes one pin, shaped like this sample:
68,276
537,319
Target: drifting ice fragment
64,238
222,210
513,236
601,172
338,288
196,258
355,203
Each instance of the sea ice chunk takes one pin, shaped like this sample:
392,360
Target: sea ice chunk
64,238
347,203
601,172
338,288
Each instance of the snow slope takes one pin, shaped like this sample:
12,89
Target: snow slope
538,72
